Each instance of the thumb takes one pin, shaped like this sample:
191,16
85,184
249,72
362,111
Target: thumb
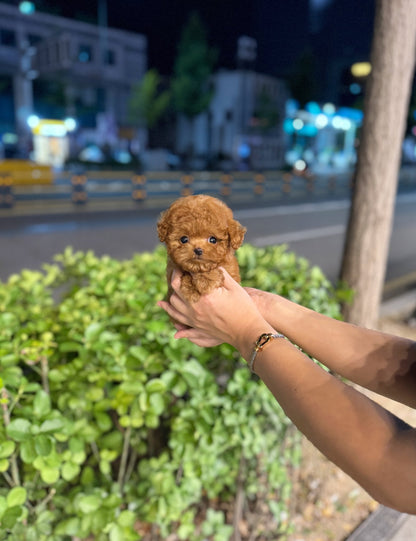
176,279
229,282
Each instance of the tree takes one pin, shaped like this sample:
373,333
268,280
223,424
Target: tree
195,60
148,103
265,114
375,183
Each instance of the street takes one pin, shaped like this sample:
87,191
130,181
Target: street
313,230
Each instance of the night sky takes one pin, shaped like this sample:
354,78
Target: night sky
282,28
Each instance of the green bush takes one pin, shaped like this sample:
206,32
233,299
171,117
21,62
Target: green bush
109,425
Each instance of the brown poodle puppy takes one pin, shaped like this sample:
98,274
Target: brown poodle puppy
200,236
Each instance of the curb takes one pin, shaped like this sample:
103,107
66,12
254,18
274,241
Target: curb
383,525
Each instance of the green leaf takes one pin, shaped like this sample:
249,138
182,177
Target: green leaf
87,476
93,331
16,496
138,352
193,373
19,429
112,440
69,527
99,520
116,533
105,467
76,445
4,464
104,421
70,471
155,386
126,519
28,451
41,403
67,347
7,448
157,403
12,377
151,420
11,516
51,425
49,475
79,457
43,445
125,421
3,505
89,504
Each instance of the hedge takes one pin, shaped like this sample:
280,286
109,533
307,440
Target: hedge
111,429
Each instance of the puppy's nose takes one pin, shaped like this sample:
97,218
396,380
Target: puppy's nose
198,251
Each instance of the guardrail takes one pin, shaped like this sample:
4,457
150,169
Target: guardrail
82,189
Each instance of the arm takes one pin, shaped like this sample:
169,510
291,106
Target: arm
369,443
383,363
365,440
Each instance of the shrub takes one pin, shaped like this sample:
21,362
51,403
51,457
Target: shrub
110,427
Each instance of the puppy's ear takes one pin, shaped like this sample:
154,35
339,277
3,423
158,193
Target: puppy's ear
236,233
163,226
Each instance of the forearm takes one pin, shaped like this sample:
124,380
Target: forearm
352,431
383,363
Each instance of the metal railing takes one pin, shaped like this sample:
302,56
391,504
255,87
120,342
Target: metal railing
93,186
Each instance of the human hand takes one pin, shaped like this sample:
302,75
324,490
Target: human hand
227,314
196,336
263,300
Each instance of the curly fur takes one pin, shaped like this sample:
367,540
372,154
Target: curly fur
201,235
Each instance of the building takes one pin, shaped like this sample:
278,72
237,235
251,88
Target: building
243,124
322,137
55,67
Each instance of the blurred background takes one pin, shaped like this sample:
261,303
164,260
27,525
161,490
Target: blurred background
163,84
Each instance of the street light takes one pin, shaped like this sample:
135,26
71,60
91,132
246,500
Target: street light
361,69
33,121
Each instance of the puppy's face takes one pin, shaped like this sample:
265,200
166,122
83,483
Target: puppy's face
199,232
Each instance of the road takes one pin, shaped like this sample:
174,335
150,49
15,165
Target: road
313,230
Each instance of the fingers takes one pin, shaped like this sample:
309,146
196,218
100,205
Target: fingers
176,280
172,312
198,337
179,326
229,282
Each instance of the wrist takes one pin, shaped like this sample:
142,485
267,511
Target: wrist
247,340
262,341
285,315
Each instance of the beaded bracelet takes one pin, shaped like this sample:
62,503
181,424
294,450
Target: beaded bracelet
260,343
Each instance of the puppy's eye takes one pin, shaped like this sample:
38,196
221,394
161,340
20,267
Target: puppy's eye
184,239
212,240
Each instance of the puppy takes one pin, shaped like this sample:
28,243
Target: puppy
200,236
